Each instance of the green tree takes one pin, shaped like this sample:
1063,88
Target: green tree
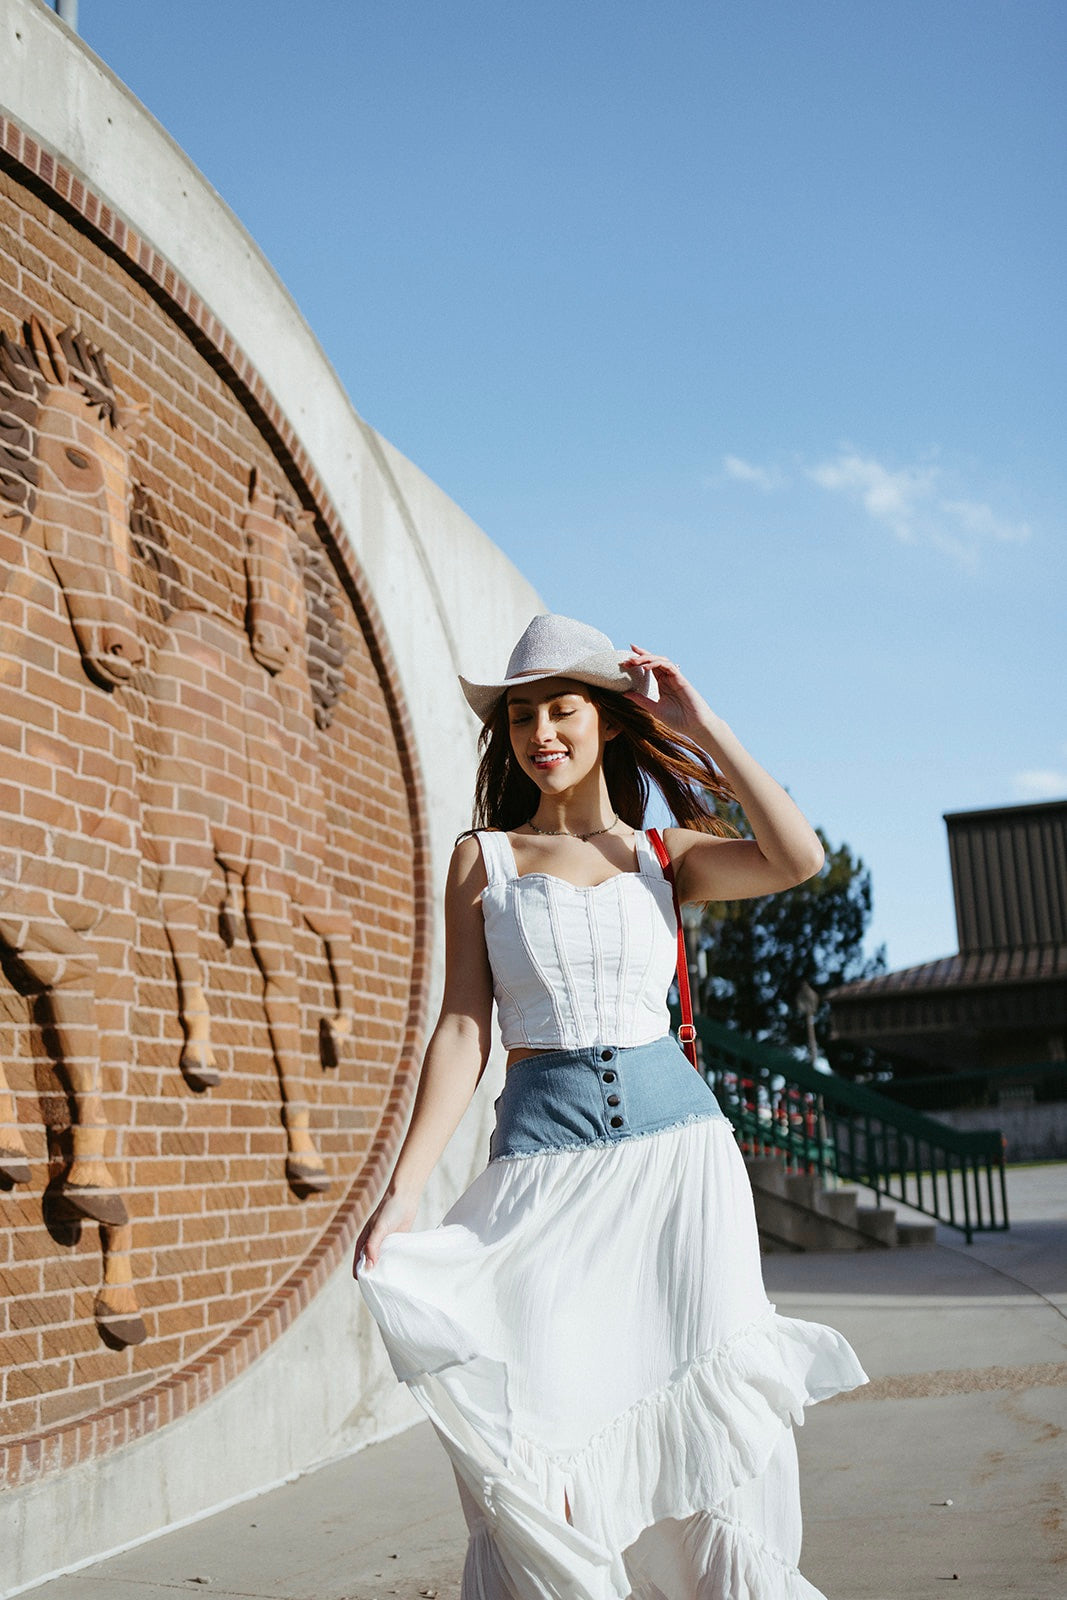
760,951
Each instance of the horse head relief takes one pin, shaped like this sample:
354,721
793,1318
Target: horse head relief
288,592
79,476
276,615
235,782
69,635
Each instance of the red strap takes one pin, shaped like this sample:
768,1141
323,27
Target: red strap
687,1034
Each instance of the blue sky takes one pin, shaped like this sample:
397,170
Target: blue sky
740,327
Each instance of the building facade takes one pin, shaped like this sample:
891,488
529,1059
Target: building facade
987,1027
1001,1001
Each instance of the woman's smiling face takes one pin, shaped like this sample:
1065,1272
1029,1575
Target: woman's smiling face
556,732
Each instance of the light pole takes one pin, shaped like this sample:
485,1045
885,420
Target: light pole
807,1003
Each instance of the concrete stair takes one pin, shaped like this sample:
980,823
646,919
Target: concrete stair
794,1211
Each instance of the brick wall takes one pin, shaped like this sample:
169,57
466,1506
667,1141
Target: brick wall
223,1237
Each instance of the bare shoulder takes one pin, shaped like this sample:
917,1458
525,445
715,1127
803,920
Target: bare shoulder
466,869
466,850
680,841
706,866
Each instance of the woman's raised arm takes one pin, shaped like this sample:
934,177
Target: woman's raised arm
455,1056
785,851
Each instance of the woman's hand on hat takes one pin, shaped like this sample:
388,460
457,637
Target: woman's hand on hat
679,705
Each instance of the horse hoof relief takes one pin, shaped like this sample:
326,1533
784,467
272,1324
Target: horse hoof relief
199,1070
93,1205
14,1167
118,1329
305,1179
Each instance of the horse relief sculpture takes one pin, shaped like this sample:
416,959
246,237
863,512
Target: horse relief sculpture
69,848
234,780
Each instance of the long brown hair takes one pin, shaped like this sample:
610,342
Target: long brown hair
644,752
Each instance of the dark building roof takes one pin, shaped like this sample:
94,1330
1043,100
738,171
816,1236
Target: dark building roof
1009,879
1009,875
979,970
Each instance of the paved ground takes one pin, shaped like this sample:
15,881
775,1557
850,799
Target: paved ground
967,1350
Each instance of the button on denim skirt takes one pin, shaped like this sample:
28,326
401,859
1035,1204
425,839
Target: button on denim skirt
601,1094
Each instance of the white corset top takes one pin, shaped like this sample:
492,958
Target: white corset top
574,966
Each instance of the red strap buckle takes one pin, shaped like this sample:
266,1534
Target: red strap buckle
687,1033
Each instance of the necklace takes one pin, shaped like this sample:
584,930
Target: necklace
563,834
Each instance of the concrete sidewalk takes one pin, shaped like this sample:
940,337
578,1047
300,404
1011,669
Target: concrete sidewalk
967,1352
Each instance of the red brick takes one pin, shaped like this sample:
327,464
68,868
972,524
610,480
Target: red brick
44,1377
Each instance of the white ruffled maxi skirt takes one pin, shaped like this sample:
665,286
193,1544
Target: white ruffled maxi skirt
589,1333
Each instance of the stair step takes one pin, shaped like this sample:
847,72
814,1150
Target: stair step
839,1204
767,1173
803,1188
795,1212
878,1222
916,1233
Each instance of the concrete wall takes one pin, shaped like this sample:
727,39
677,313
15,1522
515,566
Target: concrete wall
448,600
1031,1133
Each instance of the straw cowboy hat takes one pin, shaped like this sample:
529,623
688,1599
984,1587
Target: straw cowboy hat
558,647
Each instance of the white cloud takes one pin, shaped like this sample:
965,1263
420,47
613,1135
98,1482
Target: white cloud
894,498
1039,784
745,472
920,503
974,517
916,504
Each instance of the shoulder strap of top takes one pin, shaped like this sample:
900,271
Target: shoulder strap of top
497,854
648,862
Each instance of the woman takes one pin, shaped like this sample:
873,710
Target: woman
588,1328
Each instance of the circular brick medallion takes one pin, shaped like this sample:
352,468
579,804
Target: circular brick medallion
228,840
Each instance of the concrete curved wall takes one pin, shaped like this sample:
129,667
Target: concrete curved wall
445,599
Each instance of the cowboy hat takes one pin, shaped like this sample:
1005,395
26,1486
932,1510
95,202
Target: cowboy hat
558,647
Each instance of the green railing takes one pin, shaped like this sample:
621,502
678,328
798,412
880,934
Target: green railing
821,1123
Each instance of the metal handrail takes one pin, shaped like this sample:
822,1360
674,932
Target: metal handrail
823,1123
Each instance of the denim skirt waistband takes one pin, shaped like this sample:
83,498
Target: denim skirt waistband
600,1094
